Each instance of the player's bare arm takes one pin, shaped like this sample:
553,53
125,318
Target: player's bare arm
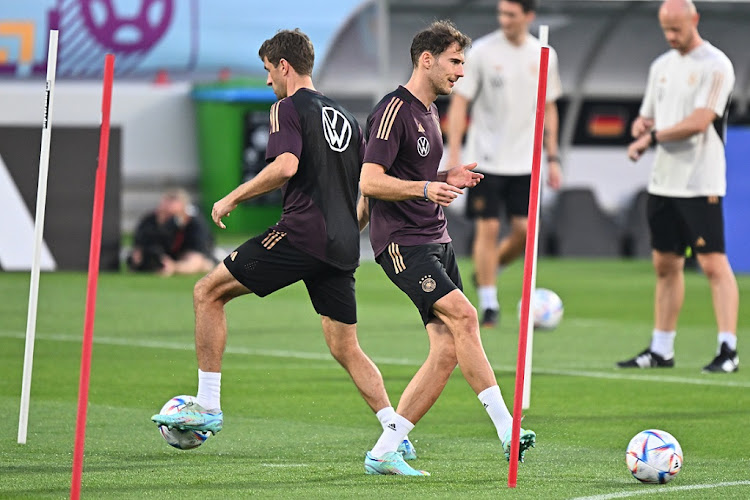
273,176
363,212
375,183
640,126
462,176
551,127
457,112
696,122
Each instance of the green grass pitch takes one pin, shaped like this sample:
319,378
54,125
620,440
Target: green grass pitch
295,426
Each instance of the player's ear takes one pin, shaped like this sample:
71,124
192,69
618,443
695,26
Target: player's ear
427,59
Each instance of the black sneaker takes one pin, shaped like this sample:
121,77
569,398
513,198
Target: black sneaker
726,361
647,359
490,317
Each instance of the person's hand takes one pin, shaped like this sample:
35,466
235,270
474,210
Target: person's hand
640,126
136,256
167,266
554,174
442,193
463,176
638,146
222,208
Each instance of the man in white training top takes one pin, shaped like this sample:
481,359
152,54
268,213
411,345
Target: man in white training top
683,115
502,72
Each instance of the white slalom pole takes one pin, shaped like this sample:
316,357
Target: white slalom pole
543,38
41,203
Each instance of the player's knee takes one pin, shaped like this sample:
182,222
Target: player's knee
202,291
715,268
343,350
666,267
466,314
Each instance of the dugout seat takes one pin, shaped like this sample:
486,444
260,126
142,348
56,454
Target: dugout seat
579,228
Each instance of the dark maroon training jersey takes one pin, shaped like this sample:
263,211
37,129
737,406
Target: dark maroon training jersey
404,137
320,200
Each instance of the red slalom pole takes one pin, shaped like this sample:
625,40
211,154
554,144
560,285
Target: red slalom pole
529,271
94,252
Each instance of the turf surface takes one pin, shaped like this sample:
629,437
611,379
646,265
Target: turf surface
295,426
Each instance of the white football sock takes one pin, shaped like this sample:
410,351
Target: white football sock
393,433
492,400
385,415
729,338
488,297
662,343
209,390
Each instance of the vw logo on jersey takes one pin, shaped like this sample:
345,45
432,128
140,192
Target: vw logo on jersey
337,129
423,146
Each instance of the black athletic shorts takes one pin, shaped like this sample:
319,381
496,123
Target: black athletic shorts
678,223
484,199
268,263
425,273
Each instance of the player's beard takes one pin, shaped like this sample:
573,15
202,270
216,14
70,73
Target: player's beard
279,89
441,86
684,47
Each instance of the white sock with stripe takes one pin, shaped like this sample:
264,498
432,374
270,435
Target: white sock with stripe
393,433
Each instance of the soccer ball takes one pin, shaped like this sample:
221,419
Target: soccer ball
654,456
183,440
548,309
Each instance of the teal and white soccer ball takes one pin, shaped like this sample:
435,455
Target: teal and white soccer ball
654,456
548,309
183,440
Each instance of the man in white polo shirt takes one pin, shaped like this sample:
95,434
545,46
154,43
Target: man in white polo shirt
501,77
683,115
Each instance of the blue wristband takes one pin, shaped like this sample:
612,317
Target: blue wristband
425,190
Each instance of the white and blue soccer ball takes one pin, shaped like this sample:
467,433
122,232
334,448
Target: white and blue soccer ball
182,440
654,456
548,309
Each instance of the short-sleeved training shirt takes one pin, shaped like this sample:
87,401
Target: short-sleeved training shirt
320,201
404,137
677,85
501,80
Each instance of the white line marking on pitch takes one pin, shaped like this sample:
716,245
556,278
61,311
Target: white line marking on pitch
315,356
284,465
656,490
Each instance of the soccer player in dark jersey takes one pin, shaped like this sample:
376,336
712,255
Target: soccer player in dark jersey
315,151
409,236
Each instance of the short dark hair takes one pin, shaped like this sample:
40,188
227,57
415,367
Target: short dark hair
526,5
436,39
292,45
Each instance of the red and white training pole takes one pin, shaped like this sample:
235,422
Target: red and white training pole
526,329
94,253
41,204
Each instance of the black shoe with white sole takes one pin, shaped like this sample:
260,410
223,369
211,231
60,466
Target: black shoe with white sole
647,359
726,361
490,317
